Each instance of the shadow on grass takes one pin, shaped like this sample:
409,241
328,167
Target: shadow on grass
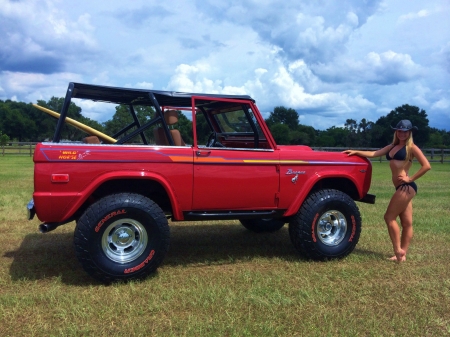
42,256
369,254
216,244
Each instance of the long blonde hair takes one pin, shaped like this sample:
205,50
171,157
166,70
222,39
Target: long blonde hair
408,145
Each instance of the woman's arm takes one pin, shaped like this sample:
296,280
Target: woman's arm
369,154
423,161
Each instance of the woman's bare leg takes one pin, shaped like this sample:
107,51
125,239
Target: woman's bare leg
407,228
400,204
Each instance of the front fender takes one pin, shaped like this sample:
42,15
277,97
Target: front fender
316,179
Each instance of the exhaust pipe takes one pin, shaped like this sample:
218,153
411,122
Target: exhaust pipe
48,227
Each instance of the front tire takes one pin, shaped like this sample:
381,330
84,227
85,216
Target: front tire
122,237
262,225
327,226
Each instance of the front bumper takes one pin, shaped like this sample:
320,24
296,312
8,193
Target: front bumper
368,198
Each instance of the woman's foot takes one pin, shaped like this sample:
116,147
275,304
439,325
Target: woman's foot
399,256
394,258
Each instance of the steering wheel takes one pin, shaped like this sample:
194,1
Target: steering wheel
212,139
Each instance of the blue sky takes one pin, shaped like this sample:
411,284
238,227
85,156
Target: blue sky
329,60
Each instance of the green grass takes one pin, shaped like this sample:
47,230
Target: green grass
221,280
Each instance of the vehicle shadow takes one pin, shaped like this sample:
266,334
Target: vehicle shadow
43,256
222,244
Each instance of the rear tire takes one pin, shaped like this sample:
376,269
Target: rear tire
262,225
327,226
122,237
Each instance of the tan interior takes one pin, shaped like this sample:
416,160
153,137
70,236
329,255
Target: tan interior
171,117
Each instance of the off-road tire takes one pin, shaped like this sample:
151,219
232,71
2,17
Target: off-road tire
327,226
122,237
263,225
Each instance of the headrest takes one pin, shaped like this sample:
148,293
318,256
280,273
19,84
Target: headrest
171,116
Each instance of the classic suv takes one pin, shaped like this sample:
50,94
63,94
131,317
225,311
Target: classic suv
194,157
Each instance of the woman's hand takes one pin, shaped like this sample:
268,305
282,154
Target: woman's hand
404,178
350,152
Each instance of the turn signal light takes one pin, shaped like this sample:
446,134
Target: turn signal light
60,178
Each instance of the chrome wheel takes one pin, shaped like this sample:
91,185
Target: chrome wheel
124,240
331,228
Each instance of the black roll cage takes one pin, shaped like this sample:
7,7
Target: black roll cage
130,97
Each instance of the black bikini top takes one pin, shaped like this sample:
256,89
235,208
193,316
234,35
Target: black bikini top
399,155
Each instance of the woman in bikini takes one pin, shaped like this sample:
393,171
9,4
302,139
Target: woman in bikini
400,155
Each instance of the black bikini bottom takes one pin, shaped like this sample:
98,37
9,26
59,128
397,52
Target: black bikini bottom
404,186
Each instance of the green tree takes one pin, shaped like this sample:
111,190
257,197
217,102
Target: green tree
16,122
303,135
47,123
298,137
334,136
446,138
280,133
4,139
282,115
364,132
184,125
351,125
325,140
122,117
435,140
352,137
417,116
202,128
438,139
292,132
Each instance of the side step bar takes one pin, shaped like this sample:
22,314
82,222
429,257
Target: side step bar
228,215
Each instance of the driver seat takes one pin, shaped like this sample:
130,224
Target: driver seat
171,117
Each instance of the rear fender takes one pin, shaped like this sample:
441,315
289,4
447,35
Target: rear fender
116,175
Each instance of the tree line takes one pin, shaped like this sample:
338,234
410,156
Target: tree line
22,122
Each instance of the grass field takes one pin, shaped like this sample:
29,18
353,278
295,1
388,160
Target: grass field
221,280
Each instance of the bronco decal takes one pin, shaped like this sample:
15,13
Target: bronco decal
84,154
141,265
109,216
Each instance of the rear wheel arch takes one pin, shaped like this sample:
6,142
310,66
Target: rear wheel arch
147,187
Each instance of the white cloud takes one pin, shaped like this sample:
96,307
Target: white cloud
30,87
442,104
144,85
292,94
444,56
411,16
39,37
385,68
302,29
338,60
194,79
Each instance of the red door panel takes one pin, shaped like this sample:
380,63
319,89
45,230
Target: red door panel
235,179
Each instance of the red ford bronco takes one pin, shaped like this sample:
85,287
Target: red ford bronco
121,189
